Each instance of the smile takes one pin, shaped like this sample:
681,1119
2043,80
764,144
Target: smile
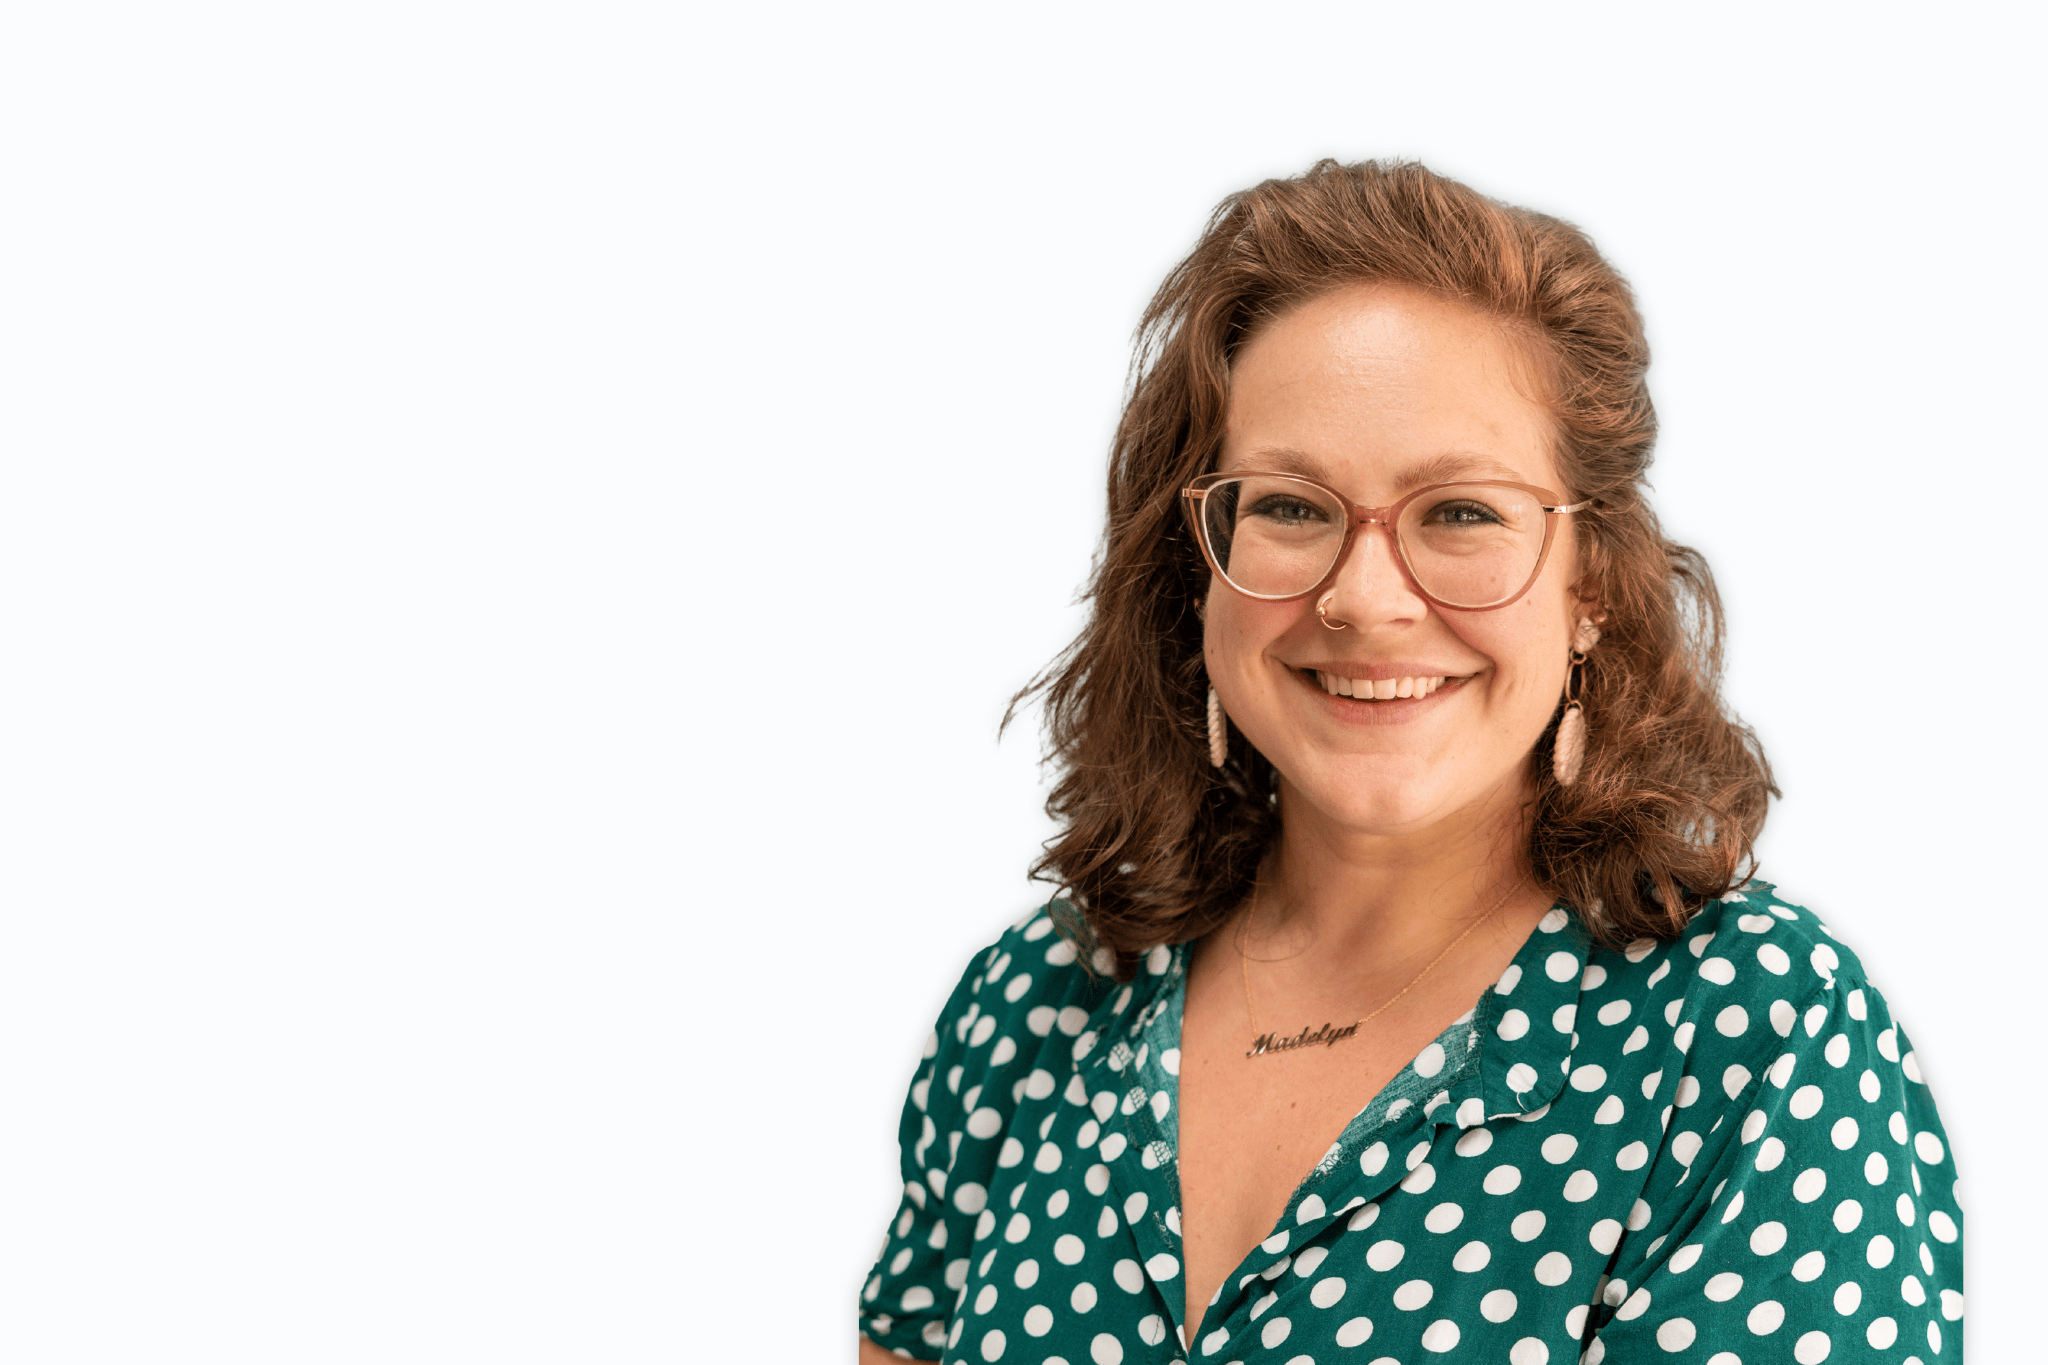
1376,689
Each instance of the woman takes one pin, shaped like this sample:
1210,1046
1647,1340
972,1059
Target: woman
1408,996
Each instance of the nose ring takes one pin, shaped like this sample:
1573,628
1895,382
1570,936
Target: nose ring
1323,612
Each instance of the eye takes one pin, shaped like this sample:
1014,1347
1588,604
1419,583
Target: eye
1461,512
1287,510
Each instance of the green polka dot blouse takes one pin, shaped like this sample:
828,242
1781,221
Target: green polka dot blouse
1716,1149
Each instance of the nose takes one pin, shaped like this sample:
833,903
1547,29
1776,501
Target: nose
1370,588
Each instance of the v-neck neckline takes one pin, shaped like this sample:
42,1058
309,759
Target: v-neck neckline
1455,1080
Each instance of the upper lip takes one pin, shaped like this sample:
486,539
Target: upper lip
1381,672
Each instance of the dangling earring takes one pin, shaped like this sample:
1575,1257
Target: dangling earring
1219,732
1568,751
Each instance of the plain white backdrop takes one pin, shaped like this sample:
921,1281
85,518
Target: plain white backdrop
518,524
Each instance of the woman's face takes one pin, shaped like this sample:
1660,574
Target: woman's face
1374,391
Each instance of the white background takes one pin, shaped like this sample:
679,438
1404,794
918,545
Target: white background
518,523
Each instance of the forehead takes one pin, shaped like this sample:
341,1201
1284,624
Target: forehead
1374,389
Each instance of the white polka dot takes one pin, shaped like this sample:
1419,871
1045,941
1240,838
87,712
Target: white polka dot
1364,1218
1097,1179
1632,1157
1868,1087
1502,1180
1734,1209
1106,1350
1472,1257
970,1197
1681,1038
1770,1155
1774,961
1718,970
1809,1267
1638,1039
1038,1320
1554,1269
1509,979
1441,1335
1582,1186
1812,1348
992,1346
1675,1334
1413,1294
1083,1298
1879,1252
1767,1317
1732,1022
1604,1235
1887,1044
1017,1229
1837,1050
1575,1321
1844,1133
1430,1060
1527,1351
1310,1209
1613,1012
1951,1305
1934,1337
1071,1021
916,1298
1385,1255
1723,1287
1928,1148
1848,1214
1811,1184
1327,1291
1881,1333
1876,1169
1275,1332
1564,1018
1498,1306
1768,1239
1806,1101
1444,1217
1420,1179
1589,1078
1354,1332
1068,1250
1561,966
1152,1329
1685,1147
1027,1274
1848,1297
1527,1226
1162,1267
1942,1226
1558,1148
1905,1209
1521,1078
986,1299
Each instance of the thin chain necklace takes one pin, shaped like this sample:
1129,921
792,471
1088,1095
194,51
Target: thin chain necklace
1264,1044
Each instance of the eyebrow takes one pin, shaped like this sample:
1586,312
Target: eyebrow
1448,467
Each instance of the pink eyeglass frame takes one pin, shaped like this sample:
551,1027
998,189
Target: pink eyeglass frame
1388,519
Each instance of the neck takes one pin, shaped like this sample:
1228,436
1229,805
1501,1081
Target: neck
1356,896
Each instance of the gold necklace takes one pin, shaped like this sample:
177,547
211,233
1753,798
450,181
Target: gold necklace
1264,1044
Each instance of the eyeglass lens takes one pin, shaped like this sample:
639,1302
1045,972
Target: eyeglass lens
1468,545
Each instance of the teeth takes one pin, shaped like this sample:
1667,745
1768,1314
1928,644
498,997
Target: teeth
1383,689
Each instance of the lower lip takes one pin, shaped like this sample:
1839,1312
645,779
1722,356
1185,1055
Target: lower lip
1392,711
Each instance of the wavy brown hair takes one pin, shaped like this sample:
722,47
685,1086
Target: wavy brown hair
1156,846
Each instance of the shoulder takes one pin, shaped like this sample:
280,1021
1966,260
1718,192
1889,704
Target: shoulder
1020,1006
1751,945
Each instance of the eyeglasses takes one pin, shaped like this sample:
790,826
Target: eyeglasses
1465,546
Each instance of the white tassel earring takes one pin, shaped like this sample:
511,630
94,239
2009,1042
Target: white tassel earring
1219,732
1568,752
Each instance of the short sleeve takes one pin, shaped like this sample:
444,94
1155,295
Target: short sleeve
1008,1030
908,1298
1829,1228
